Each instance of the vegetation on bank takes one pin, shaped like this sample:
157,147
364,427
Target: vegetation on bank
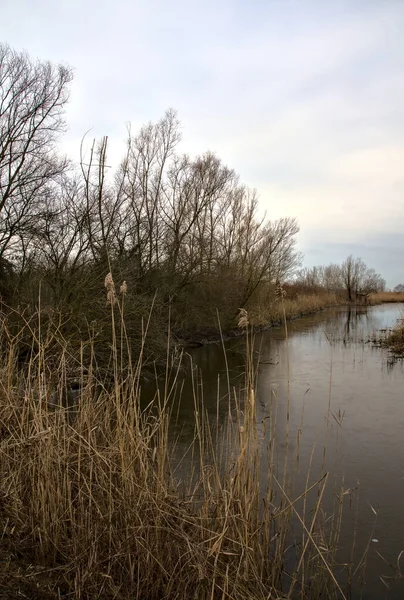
274,312
92,504
394,341
352,278
381,297
267,314
183,233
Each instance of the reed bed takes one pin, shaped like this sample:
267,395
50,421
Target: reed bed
381,297
275,312
90,506
394,340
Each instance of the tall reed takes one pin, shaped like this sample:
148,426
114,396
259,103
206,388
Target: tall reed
89,503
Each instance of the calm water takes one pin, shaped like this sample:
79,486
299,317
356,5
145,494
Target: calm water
345,392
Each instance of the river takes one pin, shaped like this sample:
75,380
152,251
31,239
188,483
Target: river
342,401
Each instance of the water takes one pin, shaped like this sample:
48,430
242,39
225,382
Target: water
343,393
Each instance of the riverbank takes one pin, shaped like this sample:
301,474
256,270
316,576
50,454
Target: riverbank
265,317
384,297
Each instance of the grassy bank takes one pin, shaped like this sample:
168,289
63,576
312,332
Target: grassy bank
274,312
90,506
381,297
267,314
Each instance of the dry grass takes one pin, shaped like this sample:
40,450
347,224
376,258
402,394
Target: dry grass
381,297
394,340
89,506
274,312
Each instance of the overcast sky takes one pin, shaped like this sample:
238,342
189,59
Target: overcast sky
304,99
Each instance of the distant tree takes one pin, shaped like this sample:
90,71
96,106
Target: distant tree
353,275
372,282
331,277
357,277
33,96
399,288
353,270
308,276
328,277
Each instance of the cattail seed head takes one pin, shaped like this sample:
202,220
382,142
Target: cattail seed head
109,282
124,288
111,297
280,292
243,318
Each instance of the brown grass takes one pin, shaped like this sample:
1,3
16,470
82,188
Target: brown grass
394,340
381,297
274,312
90,508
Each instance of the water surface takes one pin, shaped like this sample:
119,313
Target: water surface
330,382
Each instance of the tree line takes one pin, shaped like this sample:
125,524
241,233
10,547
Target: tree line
352,277
183,233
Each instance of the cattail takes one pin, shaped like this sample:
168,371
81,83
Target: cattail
111,297
124,288
109,282
243,318
280,292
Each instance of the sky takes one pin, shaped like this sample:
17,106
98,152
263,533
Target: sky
303,98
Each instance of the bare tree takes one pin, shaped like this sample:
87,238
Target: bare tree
280,249
358,278
142,184
353,271
104,203
62,246
191,201
33,96
331,277
372,282
310,277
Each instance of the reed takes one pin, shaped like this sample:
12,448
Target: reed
381,297
394,340
274,312
89,503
